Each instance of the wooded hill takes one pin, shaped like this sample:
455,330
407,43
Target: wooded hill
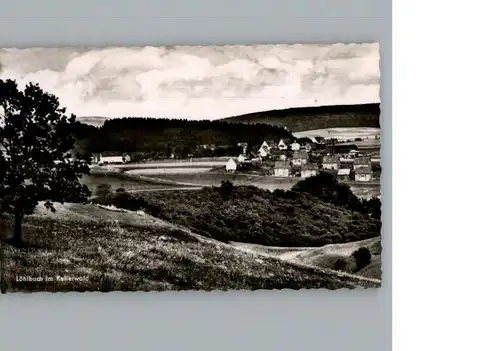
158,137
308,118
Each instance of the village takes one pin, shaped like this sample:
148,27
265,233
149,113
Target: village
291,159
307,159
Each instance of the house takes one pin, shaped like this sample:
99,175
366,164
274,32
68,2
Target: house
299,158
231,165
331,162
103,160
282,145
263,152
363,175
272,145
295,146
111,160
268,146
241,158
318,140
281,169
308,147
361,162
344,174
309,170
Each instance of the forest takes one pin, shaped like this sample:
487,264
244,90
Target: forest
317,211
299,119
158,138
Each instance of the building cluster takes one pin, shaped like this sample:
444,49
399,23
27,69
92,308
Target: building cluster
99,159
308,159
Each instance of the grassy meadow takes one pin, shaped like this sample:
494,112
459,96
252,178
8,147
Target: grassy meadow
111,249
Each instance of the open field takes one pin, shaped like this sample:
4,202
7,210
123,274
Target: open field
109,249
139,179
270,183
326,256
186,171
198,162
215,179
116,181
341,134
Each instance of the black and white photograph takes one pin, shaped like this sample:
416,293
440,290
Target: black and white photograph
230,167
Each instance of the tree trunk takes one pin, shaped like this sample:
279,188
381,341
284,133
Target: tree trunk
17,239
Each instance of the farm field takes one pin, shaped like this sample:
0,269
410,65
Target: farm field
264,182
198,162
215,179
341,134
92,181
111,249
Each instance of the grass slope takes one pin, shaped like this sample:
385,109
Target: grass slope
120,250
308,118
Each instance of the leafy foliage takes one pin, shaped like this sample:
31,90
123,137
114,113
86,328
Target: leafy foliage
252,215
326,187
37,139
159,138
103,190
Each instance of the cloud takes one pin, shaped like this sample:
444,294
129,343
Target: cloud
198,81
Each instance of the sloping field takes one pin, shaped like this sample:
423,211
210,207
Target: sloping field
326,256
109,249
341,134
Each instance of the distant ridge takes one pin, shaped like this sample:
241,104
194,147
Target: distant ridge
96,121
299,119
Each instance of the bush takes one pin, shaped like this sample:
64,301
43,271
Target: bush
340,264
362,257
103,190
121,190
252,215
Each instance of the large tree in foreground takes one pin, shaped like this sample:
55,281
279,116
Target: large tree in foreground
36,142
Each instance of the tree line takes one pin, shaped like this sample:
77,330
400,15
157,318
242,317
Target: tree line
154,137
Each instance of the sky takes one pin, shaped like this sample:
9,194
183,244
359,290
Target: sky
198,82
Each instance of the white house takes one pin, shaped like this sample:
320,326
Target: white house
363,175
241,158
295,146
281,169
343,173
231,165
309,170
111,160
362,162
265,146
331,162
282,145
263,152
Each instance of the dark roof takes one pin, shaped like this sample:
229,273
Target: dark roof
281,165
362,160
300,154
310,167
346,147
330,159
363,171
